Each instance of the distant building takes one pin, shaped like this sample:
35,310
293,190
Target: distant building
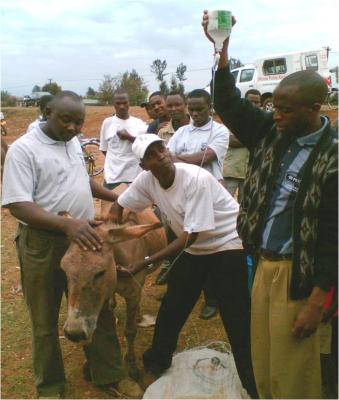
91,102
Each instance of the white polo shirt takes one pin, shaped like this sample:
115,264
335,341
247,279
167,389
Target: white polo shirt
196,202
32,125
121,165
191,139
49,173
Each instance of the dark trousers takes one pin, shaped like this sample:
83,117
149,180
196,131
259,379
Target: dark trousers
228,274
210,298
111,186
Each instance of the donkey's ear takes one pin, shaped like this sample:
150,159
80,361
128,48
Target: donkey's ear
122,234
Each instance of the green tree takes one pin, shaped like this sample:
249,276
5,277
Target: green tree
181,88
163,87
174,84
36,88
7,100
235,63
158,68
106,89
91,93
180,72
52,88
134,85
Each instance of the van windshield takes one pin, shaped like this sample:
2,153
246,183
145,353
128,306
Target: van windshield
311,62
246,75
276,66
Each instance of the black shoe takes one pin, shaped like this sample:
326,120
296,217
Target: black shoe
208,312
162,277
152,363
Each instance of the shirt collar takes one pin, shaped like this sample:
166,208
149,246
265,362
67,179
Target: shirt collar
205,127
312,138
170,126
43,138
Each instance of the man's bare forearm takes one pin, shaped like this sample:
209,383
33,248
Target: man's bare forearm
36,217
200,158
101,192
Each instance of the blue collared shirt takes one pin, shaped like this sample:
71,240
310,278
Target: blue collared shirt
277,235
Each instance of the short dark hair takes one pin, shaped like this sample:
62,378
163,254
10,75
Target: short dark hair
198,93
255,92
120,92
44,101
65,93
310,86
157,93
176,93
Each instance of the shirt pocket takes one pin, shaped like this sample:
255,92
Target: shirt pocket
37,243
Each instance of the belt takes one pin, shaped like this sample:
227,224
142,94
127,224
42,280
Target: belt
273,256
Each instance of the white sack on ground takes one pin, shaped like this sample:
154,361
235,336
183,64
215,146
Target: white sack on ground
199,373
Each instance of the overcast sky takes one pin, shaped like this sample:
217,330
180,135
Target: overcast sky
75,43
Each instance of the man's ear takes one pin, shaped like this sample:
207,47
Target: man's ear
316,107
141,164
48,112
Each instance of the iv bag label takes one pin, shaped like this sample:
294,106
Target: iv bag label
220,20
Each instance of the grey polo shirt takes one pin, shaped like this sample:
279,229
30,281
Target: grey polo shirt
49,173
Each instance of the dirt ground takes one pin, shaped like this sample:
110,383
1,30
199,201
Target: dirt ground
16,365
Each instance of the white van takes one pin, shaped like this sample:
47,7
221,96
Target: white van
266,73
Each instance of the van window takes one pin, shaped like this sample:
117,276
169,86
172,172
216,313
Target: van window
276,66
235,74
246,75
311,62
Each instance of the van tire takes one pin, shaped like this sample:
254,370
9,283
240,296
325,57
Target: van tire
267,105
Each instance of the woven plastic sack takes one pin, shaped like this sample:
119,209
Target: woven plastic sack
200,373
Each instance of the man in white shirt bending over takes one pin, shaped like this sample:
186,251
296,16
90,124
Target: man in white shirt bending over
203,216
116,137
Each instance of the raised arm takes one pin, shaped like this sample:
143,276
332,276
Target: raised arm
247,122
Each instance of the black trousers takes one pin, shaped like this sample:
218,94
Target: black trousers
228,273
111,186
210,298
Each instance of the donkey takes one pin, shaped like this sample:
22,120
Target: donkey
92,275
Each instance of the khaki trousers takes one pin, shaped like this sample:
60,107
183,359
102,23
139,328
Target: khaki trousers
284,367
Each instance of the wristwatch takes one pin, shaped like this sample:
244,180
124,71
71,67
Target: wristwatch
148,261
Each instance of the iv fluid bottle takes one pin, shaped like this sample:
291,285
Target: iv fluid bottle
219,26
